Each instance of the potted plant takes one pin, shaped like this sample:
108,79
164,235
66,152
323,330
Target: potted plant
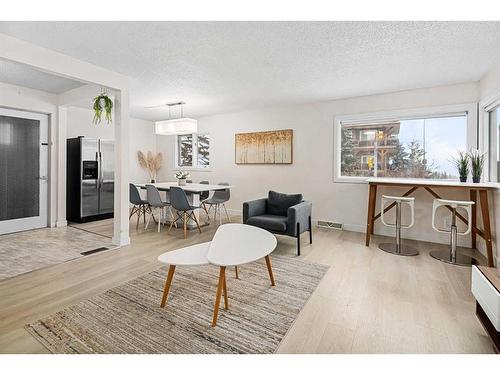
461,162
151,162
181,177
103,103
477,160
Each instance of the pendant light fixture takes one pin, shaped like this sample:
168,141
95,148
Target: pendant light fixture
176,126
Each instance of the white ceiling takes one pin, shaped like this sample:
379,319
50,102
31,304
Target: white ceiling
22,75
230,66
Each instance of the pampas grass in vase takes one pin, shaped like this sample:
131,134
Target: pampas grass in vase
151,162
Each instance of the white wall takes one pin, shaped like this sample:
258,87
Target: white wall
311,172
142,136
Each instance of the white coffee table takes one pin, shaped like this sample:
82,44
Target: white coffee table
233,244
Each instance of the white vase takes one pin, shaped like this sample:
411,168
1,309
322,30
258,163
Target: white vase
182,181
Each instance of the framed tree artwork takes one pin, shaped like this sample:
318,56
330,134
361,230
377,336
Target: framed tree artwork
269,147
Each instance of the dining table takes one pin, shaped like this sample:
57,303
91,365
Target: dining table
478,193
193,191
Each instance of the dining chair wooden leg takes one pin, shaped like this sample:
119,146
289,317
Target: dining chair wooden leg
215,213
172,223
139,210
236,271
168,282
270,270
225,209
226,302
152,214
132,211
144,213
149,219
196,221
185,224
220,285
160,210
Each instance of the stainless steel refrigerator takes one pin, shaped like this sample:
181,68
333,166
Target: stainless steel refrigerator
89,179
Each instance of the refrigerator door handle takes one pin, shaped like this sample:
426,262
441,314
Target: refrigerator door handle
101,173
98,168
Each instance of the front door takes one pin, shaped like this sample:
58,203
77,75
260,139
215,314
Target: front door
24,176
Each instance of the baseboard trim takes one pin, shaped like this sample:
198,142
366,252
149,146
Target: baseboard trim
122,240
61,223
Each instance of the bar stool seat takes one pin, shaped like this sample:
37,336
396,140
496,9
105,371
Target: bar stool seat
451,256
396,247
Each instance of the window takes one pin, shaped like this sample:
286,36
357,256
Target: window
402,146
193,151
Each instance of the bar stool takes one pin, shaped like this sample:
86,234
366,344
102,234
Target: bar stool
451,256
397,248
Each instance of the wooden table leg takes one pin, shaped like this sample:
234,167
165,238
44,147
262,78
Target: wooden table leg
372,196
485,211
220,286
473,198
168,282
270,270
236,271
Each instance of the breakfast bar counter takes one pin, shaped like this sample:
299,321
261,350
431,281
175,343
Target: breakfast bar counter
478,193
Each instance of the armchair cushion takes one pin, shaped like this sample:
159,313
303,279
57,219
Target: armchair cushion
278,203
254,208
272,223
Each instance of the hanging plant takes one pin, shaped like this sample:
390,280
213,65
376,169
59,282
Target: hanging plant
103,103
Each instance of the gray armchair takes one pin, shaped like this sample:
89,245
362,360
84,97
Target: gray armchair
286,214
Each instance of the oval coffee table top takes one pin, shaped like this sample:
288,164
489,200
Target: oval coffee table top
194,255
234,244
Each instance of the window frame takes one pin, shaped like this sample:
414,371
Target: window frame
485,106
401,114
194,142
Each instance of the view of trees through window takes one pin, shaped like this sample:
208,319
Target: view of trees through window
193,150
416,148
185,150
203,150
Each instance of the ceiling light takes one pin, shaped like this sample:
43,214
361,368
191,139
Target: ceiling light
178,126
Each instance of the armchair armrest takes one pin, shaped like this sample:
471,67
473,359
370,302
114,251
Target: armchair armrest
254,208
299,213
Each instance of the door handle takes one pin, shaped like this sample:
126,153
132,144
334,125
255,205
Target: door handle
43,178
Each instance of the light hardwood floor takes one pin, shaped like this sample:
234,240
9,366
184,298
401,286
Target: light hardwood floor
368,302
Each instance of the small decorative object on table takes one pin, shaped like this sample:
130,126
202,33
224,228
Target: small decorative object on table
150,162
461,162
477,160
181,177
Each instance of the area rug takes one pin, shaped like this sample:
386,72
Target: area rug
27,251
128,319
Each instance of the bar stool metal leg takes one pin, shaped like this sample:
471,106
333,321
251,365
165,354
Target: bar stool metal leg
397,248
452,256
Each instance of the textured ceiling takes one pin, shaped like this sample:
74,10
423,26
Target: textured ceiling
22,75
230,66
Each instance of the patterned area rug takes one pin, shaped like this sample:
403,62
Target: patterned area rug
27,251
128,319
